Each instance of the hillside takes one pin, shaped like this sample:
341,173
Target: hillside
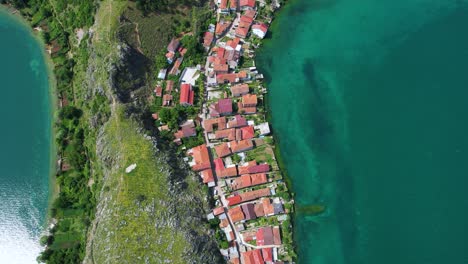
156,213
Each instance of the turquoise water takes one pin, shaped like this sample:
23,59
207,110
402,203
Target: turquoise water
369,102
24,143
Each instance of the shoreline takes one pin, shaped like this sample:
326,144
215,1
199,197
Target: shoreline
53,108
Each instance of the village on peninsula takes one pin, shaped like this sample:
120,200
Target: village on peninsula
228,143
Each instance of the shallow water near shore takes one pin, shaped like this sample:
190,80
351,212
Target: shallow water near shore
24,142
368,101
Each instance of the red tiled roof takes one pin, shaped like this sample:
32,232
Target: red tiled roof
250,13
173,45
238,121
185,132
225,106
169,86
249,100
207,176
252,195
222,171
276,236
201,158
242,32
268,208
247,3
227,77
245,169
209,124
229,133
259,168
267,254
243,145
239,89
249,211
208,39
246,19
221,27
247,180
261,26
258,178
252,257
186,94
223,68
224,223
265,236
167,98
236,214
218,210
223,4
234,200
246,110
247,132
233,4
259,210
158,91
222,150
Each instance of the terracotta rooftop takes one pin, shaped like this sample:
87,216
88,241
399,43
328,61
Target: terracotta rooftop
252,195
249,100
210,124
169,86
173,45
222,171
238,121
245,169
259,210
249,212
222,150
158,91
186,94
239,89
201,158
267,254
240,146
233,200
242,32
250,13
208,39
167,98
268,208
259,168
185,132
236,214
207,176
248,132
265,236
248,180
247,3
229,133
246,110
218,210
252,257
276,236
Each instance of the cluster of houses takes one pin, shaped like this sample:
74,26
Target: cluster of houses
248,209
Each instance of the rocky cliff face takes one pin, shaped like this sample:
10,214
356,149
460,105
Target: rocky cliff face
156,213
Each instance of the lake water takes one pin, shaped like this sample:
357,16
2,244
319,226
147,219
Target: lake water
24,142
369,101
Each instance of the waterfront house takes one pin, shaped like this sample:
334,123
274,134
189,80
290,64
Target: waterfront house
248,180
247,132
239,89
186,94
255,194
260,30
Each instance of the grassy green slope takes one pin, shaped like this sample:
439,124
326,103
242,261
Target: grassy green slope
154,214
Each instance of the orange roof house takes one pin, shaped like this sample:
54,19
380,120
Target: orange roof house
185,132
222,171
208,39
245,169
249,100
238,121
158,91
252,195
268,208
236,214
230,134
276,236
207,176
248,132
210,124
233,200
250,13
265,236
247,180
222,27
169,86
259,212
239,89
267,254
240,146
167,99
222,150
186,94
252,257
218,210
201,158
247,4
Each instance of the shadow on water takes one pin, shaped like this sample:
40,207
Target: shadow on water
328,142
